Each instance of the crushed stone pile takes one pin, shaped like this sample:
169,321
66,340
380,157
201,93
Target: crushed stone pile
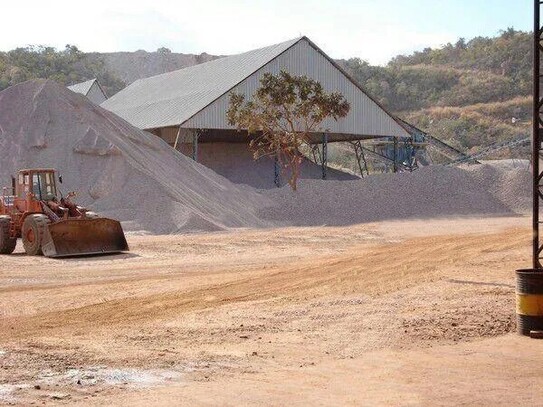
430,192
509,181
128,174
115,168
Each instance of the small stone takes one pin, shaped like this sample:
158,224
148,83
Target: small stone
37,386
60,396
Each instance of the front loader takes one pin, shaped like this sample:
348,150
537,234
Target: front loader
51,226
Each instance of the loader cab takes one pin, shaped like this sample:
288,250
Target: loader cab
38,182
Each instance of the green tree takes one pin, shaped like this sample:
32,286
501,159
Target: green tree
67,66
282,115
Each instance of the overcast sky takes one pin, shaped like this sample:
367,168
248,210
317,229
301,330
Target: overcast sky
374,30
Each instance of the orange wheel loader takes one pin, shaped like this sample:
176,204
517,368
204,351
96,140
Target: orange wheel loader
51,226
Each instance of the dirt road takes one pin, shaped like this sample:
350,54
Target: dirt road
396,313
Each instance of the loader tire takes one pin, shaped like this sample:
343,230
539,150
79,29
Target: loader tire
7,244
34,228
91,215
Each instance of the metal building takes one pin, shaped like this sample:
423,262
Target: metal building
91,89
188,106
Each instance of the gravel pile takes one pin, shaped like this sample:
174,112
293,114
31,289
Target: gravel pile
430,192
509,181
131,175
116,169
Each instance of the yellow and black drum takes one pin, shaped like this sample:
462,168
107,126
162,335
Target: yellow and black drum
529,301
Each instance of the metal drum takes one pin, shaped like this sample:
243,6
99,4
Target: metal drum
530,301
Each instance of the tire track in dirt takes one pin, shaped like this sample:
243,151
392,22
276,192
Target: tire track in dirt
373,271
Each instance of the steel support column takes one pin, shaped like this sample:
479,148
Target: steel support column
537,131
324,155
411,154
195,137
177,138
276,172
360,157
395,165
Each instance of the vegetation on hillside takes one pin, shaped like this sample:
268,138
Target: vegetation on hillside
470,94
481,70
67,66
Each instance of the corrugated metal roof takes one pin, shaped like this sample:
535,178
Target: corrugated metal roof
172,98
197,96
82,87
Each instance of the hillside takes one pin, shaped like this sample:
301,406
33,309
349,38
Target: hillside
131,66
68,66
470,94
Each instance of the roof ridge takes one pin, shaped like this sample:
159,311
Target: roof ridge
83,87
174,98
80,83
220,58
184,72
294,42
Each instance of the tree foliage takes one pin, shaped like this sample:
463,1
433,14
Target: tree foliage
282,115
481,70
67,66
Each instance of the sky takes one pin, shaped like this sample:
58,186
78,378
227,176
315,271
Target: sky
373,30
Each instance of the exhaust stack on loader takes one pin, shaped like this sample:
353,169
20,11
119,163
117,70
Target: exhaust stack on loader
53,227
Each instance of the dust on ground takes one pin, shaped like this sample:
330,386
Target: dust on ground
393,313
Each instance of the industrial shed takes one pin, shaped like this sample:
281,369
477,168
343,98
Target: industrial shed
187,108
91,89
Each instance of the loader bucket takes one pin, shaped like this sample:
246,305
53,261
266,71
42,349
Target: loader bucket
77,237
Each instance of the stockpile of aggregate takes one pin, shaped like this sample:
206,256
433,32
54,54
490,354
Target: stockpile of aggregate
131,175
116,169
491,189
509,181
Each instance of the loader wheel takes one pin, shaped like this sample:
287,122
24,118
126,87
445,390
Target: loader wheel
91,215
32,232
7,244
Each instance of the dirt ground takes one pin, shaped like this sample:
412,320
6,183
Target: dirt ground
410,313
